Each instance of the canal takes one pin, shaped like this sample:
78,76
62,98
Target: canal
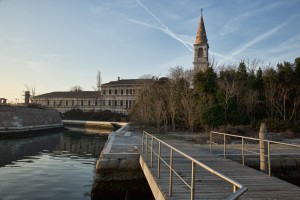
53,166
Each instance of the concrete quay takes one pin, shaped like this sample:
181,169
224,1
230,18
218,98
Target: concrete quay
120,152
118,172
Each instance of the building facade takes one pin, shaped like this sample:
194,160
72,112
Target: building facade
116,96
64,101
201,49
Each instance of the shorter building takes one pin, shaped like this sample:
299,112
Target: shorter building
116,96
65,101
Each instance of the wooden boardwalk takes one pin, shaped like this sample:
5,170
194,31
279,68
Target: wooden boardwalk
209,186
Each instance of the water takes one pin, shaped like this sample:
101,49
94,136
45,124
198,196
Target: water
56,166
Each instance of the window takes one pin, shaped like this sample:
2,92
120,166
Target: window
66,102
96,102
121,103
103,102
60,102
116,103
72,102
109,103
82,102
126,106
126,91
130,91
130,104
103,91
48,102
109,91
200,52
116,91
121,91
133,91
89,102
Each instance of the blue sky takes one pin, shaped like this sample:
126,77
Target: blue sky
56,44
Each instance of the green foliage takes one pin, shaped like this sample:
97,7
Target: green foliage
206,82
234,96
213,116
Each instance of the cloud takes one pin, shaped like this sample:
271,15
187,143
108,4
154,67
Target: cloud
234,24
27,63
223,57
259,38
165,29
288,45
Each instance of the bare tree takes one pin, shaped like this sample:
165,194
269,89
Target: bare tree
76,88
32,89
98,82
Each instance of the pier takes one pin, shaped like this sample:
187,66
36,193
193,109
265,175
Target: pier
178,169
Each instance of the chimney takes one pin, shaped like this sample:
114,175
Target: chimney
118,78
27,97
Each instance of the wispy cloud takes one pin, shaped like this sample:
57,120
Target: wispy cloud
291,44
164,28
259,38
25,62
234,24
223,57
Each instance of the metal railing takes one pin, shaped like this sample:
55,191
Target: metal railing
243,149
238,189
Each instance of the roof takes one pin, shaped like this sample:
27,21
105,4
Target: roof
70,94
201,33
127,82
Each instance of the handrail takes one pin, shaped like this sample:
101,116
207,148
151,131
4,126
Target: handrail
269,142
238,189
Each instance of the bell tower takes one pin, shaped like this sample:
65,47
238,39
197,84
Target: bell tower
201,48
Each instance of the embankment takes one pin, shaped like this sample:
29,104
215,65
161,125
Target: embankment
16,121
93,126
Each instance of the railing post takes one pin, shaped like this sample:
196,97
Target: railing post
193,181
224,146
269,158
210,142
171,174
146,146
158,160
151,152
143,143
243,149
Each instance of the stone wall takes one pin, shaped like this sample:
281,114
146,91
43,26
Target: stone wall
16,118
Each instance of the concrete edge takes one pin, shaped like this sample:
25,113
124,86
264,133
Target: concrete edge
156,191
110,140
93,122
29,128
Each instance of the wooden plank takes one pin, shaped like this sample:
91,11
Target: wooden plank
209,186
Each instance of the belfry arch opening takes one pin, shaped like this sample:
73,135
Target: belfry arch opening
200,52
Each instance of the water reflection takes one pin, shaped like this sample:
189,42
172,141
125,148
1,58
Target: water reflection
57,166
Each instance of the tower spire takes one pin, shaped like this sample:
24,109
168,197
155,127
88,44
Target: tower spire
201,33
201,48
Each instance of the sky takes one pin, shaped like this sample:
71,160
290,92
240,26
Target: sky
53,45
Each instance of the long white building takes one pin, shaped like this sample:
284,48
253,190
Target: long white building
117,96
